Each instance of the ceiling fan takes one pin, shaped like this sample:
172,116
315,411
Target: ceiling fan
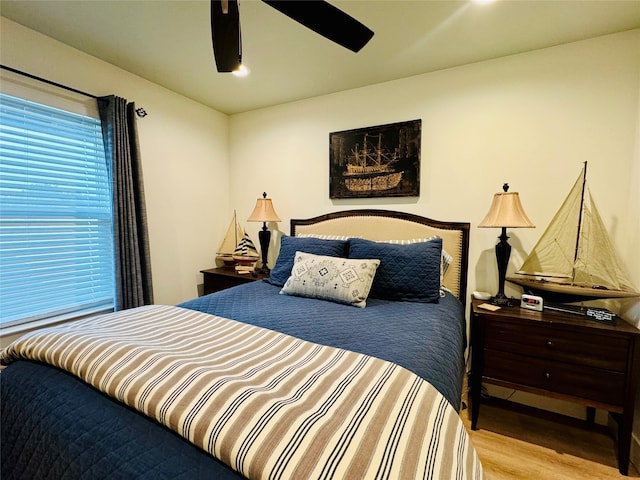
317,15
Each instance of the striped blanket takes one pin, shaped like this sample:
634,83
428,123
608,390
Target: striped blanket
269,405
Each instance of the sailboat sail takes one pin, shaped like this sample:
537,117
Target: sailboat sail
574,254
230,242
553,255
597,262
246,251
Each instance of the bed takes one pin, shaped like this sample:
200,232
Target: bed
363,385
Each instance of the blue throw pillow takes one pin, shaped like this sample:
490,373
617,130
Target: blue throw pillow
406,272
290,245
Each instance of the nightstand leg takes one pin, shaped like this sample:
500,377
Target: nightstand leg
475,411
475,381
475,390
591,416
624,443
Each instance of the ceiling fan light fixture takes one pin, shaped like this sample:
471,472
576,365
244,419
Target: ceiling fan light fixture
241,71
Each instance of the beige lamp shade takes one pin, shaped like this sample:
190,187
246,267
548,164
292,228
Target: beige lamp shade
506,211
263,211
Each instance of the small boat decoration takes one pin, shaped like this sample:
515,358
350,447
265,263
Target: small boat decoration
231,241
574,260
246,252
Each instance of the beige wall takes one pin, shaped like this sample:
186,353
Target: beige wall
184,153
530,120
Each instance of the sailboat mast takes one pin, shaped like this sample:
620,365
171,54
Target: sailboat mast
575,255
235,227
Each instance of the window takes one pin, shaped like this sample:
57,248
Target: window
56,242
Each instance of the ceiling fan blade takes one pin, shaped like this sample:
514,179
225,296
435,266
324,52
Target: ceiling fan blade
225,34
326,20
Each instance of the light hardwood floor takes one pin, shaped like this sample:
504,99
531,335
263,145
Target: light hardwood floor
514,445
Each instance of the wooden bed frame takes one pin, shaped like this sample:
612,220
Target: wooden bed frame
379,225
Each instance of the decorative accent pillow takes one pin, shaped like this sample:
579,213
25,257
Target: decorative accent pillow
290,245
406,272
324,237
339,280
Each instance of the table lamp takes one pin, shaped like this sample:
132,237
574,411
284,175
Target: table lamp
264,212
505,212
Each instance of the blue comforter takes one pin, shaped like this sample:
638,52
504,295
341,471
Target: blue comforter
54,426
426,338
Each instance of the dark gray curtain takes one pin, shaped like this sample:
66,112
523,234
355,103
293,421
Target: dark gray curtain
133,265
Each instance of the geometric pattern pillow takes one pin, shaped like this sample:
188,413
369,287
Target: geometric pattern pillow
339,280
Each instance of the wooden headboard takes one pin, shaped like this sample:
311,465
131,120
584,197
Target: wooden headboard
379,225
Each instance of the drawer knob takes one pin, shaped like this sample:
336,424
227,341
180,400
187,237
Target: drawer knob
549,343
547,375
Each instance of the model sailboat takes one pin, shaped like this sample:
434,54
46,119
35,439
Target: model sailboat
246,252
574,259
230,243
236,247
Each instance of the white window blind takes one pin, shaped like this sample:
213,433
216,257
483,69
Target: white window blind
56,245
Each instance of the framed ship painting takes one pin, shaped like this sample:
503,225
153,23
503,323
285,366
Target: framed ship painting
380,161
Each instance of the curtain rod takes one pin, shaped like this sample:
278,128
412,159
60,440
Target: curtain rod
55,84
139,111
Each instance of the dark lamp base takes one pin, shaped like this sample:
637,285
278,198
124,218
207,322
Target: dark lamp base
264,236
263,270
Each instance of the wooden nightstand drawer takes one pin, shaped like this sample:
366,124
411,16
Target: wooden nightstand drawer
588,383
571,346
216,279
558,355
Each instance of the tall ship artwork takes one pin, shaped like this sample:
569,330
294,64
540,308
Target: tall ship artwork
376,161
371,167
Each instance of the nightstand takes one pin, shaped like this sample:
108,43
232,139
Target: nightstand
558,355
216,279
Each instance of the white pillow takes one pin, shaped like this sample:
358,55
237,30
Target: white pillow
324,237
341,280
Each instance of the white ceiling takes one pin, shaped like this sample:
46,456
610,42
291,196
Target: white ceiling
168,41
